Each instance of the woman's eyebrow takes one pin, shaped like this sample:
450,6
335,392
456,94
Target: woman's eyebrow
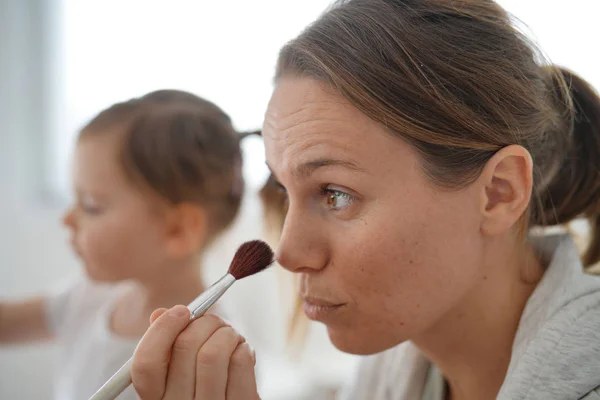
306,169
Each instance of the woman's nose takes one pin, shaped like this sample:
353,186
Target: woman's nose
302,245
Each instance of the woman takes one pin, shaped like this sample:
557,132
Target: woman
418,142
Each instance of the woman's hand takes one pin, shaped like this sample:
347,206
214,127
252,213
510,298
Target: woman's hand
206,359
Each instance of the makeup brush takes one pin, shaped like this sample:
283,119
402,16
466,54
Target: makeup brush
251,258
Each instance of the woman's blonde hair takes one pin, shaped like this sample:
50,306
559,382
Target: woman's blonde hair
458,82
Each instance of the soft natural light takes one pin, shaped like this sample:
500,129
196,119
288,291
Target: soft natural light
111,50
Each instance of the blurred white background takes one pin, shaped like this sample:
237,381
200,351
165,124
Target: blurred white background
61,61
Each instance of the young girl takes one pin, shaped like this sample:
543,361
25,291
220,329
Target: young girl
157,179
417,142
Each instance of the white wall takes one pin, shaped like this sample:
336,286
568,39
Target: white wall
32,247
566,30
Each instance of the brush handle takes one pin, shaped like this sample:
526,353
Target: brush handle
122,378
116,384
209,297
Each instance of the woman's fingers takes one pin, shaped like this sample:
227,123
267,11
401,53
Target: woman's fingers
181,379
151,358
157,313
205,359
241,383
212,363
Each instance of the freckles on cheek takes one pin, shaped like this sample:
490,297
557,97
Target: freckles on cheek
389,261
372,263
385,247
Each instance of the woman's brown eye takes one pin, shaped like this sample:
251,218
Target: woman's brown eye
332,200
336,199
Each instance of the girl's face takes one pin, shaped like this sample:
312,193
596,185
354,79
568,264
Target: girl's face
116,228
383,254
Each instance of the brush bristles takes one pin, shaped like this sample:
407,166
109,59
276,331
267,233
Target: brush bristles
250,258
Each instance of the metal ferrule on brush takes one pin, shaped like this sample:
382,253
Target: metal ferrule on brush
209,297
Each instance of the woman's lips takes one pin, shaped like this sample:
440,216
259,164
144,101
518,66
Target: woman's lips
321,310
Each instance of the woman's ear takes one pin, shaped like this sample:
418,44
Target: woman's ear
506,182
187,228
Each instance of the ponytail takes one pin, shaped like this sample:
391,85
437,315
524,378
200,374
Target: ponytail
574,190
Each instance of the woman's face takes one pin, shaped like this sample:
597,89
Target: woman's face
383,253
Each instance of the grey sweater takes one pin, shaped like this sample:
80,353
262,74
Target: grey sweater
556,352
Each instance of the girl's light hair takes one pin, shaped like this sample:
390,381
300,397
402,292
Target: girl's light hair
179,146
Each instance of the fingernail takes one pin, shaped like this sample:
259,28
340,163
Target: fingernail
178,311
